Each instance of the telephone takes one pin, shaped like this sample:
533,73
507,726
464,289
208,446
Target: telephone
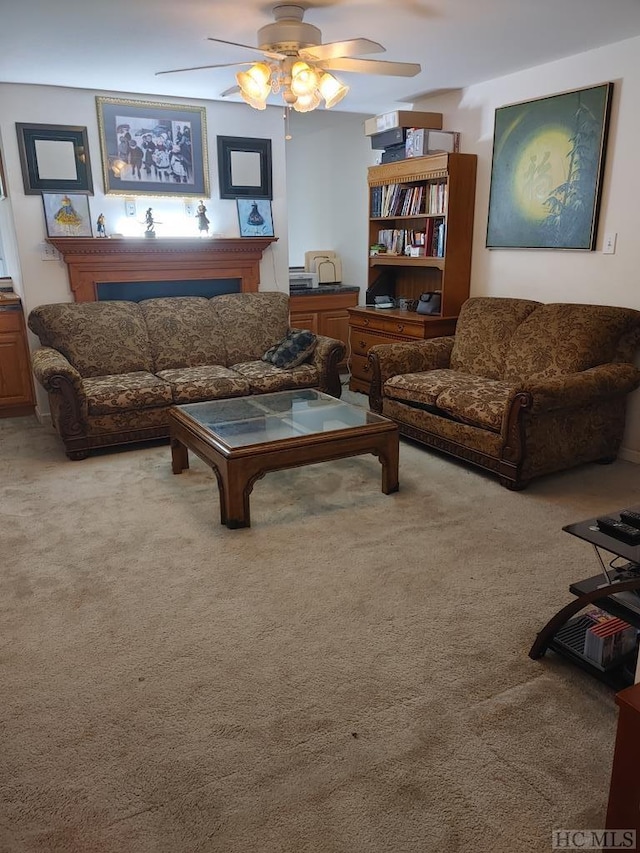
326,264
429,303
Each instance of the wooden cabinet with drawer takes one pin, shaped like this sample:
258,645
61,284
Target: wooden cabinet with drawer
371,326
16,384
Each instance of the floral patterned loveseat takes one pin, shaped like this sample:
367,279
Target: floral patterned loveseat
522,389
113,369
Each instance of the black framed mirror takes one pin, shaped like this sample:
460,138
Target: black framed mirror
244,167
54,158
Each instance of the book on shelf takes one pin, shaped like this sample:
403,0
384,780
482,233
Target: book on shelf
389,200
434,238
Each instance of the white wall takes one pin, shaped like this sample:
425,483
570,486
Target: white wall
562,276
326,160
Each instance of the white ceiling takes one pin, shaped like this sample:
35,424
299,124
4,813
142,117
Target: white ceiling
118,45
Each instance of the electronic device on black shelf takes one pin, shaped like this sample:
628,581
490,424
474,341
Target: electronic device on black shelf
619,529
384,285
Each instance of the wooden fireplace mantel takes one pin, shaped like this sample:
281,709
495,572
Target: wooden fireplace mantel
94,260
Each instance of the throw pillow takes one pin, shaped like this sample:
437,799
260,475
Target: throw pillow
292,350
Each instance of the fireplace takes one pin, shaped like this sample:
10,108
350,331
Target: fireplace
131,268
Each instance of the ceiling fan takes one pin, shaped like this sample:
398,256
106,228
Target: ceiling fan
297,64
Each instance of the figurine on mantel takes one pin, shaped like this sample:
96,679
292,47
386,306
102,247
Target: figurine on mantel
101,226
203,221
151,227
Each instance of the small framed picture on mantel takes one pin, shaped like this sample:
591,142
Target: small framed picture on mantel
255,217
67,215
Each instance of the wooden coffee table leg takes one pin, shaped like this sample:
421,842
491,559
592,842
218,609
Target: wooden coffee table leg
235,488
179,456
389,459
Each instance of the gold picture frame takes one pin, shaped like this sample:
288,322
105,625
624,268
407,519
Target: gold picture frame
154,149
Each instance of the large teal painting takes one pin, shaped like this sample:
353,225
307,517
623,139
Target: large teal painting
548,159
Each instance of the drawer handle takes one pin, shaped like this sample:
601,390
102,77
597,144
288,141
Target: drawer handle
401,327
366,368
362,344
366,321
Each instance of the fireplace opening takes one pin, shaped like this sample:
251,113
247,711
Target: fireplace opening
135,291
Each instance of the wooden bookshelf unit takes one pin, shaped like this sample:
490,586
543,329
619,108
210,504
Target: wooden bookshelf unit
411,202
408,197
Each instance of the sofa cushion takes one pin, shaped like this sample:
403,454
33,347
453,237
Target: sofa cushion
464,397
252,322
264,378
558,339
483,331
292,350
98,338
125,391
183,332
207,382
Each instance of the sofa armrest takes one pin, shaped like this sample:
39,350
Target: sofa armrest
581,389
60,378
389,360
326,357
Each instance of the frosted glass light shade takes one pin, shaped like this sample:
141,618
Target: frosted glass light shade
306,103
304,79
332,90
256,103
255,83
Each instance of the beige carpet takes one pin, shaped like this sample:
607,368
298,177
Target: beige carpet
349,675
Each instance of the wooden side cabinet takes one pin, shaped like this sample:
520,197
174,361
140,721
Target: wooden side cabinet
324,313
623,811
16,383
371,326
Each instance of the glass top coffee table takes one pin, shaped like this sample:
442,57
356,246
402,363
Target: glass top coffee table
243,438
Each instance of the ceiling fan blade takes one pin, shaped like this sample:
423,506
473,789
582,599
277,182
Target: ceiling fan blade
232,90
373,66
202,67
337,49
269,53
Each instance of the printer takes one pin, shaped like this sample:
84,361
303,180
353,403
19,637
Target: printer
300,279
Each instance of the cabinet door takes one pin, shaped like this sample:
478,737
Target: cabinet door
335,324
305,320
15,380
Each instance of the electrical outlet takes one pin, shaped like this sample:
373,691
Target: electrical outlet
48,252
130,207
609,245
188,208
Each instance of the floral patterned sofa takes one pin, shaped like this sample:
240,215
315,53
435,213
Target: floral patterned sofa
113,369
522,389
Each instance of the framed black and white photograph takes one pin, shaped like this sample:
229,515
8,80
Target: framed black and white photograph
255,217
54,158
244,167
154,149
67,215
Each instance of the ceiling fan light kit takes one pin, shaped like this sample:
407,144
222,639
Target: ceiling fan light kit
299,64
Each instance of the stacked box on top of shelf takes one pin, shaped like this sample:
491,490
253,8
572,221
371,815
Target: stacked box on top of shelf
389,132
